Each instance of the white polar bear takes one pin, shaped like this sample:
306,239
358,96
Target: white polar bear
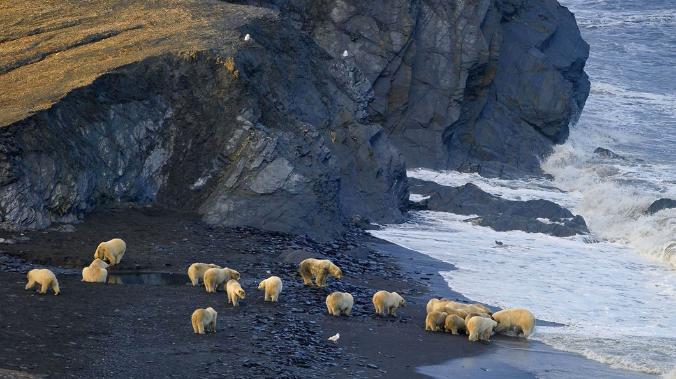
196,272
215,277
447,305
454,324
339,303
96,272
435,321
386,303
480,328
45,278
272,287
319,269
112,251
518,319
204,320
235,292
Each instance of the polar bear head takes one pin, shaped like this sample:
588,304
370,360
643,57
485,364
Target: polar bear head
240,293
262,284
400,300
98,263
100,252
233,274
335,271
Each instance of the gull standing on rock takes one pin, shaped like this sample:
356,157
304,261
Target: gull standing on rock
247,37
345,54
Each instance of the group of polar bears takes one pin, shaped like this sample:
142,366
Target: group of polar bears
476,320
111,251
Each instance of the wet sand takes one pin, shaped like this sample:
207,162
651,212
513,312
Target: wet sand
135,330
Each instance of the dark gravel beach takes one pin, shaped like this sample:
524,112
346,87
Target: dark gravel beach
133,330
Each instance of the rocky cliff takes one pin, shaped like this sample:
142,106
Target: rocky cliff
486,85
165,103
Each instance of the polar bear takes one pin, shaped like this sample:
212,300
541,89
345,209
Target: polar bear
454,324
386,303
435,321
518,319
96,272
196,271
45,278
235,292
204,320
272,287
339,303
112,251
480,328
319,269
215,277
446,305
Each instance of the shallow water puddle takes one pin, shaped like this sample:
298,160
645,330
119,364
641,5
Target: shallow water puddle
148,278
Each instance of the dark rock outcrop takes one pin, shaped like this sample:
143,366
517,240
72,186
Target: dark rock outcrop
607,153
263,134
533,216
485,85
661,204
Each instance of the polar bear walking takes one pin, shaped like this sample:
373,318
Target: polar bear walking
339,303
387,303
319,269
235,292
215,277
204,320
112,251
96,272
196,272
45,278
518,319
272,287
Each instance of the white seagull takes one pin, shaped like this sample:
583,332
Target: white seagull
335,338
345,54
247,37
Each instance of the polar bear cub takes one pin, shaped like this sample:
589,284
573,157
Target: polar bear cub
518,319
112,251
215,277
339,303
204,320
454,324
435,321
196,272
272,287
45,278
386,303
235,292
480,328
319,269
96,272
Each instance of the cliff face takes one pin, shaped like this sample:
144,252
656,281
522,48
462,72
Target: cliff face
163,102
263,133
486,85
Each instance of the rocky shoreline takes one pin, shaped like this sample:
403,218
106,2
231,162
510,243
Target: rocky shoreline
145,330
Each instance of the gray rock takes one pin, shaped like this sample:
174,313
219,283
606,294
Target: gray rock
268,134
533,216
607,153
661,204
487,85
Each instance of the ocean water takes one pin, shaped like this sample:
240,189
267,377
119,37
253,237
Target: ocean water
616,296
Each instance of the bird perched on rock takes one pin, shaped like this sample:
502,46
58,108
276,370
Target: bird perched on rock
345,54
335,338
247,37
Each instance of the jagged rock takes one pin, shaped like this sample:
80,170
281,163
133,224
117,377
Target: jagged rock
270,133
485,85
533,216
661,204
607,153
